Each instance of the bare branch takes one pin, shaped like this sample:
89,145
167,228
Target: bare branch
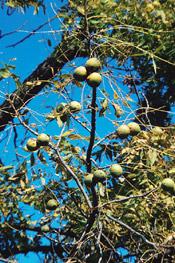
29,35
104,138
80,122
12,32
39,78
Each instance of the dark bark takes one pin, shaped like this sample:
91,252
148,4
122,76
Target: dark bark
44,249
45,71
66,232
166,257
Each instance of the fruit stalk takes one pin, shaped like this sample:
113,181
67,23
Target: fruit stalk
93,128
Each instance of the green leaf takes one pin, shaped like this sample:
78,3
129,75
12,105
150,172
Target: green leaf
104,108
81,9
41,157
22,184
154,64
51,116
94,22
117,110
5,73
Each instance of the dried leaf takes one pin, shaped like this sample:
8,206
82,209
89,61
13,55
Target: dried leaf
115,95
117,110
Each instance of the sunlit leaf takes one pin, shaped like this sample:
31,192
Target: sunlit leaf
151,157
6,168
43,181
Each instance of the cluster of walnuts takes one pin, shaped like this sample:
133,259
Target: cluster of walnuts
89,73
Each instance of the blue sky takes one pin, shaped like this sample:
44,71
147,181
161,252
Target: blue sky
26,57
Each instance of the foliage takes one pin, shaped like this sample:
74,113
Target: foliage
21,5
92,222
141,31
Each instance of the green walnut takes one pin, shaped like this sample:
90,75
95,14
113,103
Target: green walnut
134,128
43,139
94,79
99,176
157,131
32,144
93,65
61,106
89,180
168,185
123,131
80,73
75,107
51,204
116,170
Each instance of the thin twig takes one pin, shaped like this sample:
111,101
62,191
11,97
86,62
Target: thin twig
72,174
87,28
12,32
105,137
132,230
110,244
25,125
29,35
127,198
84,126
6,260
147,108
98,241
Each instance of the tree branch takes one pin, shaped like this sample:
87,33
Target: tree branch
72,174
93,127
29,35
38,79
6,260
44,249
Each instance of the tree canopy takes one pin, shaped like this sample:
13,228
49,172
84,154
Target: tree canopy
96,182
